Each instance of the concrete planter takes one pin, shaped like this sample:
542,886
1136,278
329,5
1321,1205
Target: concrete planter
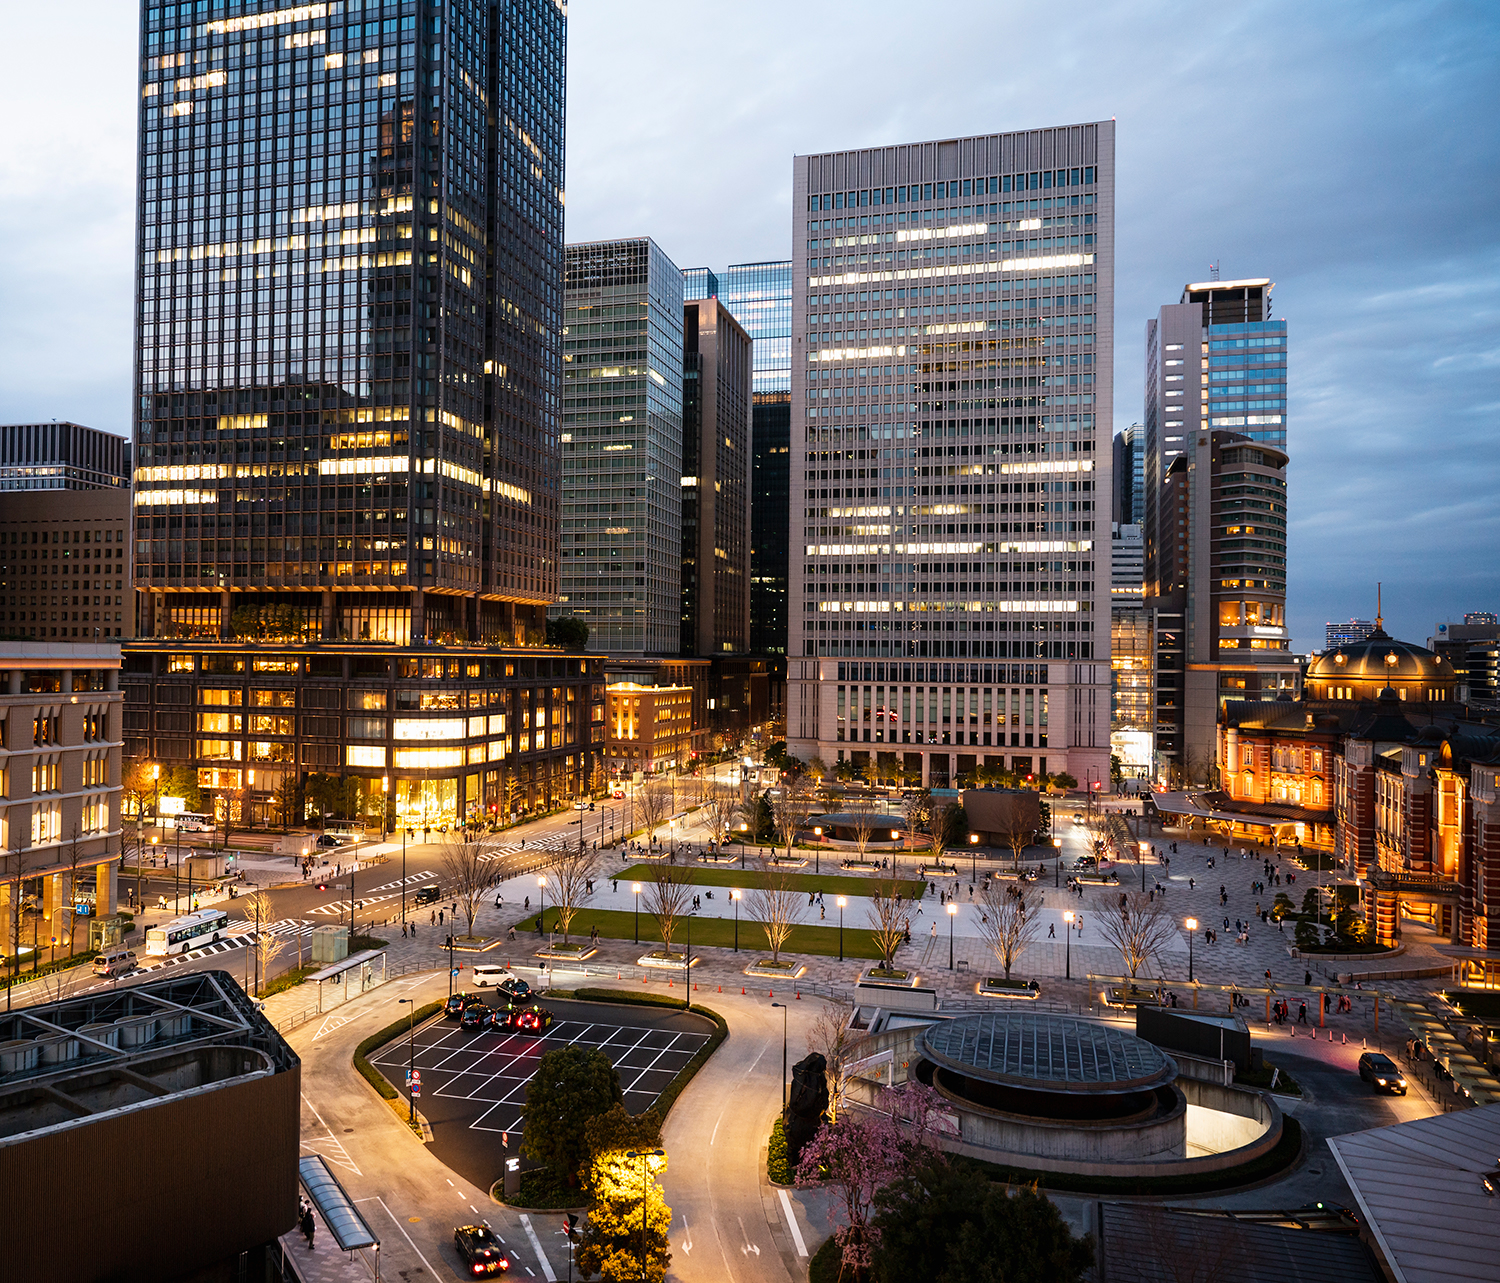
769,970
665,962
566,953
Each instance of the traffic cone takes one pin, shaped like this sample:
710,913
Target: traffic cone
619,975
742,991
770,993
799,995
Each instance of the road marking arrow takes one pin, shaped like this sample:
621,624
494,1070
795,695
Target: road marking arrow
748,1246
687,1239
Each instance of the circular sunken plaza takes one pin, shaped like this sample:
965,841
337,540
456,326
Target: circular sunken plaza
1050,1086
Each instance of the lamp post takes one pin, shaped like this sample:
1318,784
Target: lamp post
635,888
403,876
818,849
1192,925
645,1156
782,1005
734,894
450,963
1140,858
973,857
1068,918
842,901
687,967
952,913
156,794
411,1056
1056,862
541,882
385,797
139,903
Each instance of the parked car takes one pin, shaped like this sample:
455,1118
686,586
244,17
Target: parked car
476,1016
456,1003
480,1250
329,839
428,895
528,1020
1381,1073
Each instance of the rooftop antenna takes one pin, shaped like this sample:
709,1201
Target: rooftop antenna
1379,618
1213,270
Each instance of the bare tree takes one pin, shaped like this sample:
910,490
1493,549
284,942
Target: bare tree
864,813
464,861
1139,930
669,894
942,822
75,856
1005,923
834,1037
721,804
914,811
885,918
1017,830
259,909
654,801
569,879
791,808
776,903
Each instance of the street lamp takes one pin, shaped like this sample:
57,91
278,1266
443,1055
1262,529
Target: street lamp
734,894
385,795
842,901
541,882
156,794
973,857
1140,858
1192,926
952,913
645,1156
1056,862
411,1056
635,888
817,848
782,1005
1068,918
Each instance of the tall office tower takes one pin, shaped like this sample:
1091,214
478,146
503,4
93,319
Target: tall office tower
760,297
622,446
348,375
1347,633
716,391
1215,565
1130,475
699,282
951,399
1215,359
62,456
349,303
55,548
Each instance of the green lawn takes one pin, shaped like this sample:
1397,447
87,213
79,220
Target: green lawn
830,884
717,932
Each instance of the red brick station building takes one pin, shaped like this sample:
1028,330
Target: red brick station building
1383,763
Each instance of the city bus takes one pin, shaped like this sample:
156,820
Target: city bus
187,932
190,822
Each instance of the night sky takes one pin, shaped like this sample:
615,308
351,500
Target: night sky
1347,151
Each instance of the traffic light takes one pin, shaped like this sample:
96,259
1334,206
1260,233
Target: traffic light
591,806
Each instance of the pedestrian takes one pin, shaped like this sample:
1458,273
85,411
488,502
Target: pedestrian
403,931
413,930
308,1225
1052,931
934,931
1302,1013
432,918
440,917
1307,977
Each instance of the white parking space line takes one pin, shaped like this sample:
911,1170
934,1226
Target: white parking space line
791,1220
536,1246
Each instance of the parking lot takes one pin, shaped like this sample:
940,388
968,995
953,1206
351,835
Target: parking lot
473,1084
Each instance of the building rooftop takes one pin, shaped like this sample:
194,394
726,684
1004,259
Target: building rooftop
1042,1052
1422,1189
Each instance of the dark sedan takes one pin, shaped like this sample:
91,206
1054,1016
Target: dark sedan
480,1250
476,1016
1381,1072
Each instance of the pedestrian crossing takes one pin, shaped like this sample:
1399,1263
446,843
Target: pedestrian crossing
555,842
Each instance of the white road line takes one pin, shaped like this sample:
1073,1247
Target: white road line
791,1220
404,1234
536,1246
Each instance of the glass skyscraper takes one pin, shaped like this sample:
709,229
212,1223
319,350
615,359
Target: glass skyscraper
622,446
348,312
951,403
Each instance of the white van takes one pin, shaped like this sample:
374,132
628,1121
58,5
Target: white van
114,962
490,974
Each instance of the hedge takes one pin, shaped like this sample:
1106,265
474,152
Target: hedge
375,1041
675,1088
777,1167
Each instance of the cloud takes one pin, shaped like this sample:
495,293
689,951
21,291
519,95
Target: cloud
1345,150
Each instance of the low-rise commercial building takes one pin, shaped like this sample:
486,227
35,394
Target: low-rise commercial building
443,734
647,729
60,794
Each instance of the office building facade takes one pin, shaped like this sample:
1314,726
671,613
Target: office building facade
1130,475
65,563
951,391
348,312
1215,513
62,456
348,376
716,463
622,446
1347,633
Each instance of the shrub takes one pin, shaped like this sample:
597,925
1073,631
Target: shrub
777,1168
